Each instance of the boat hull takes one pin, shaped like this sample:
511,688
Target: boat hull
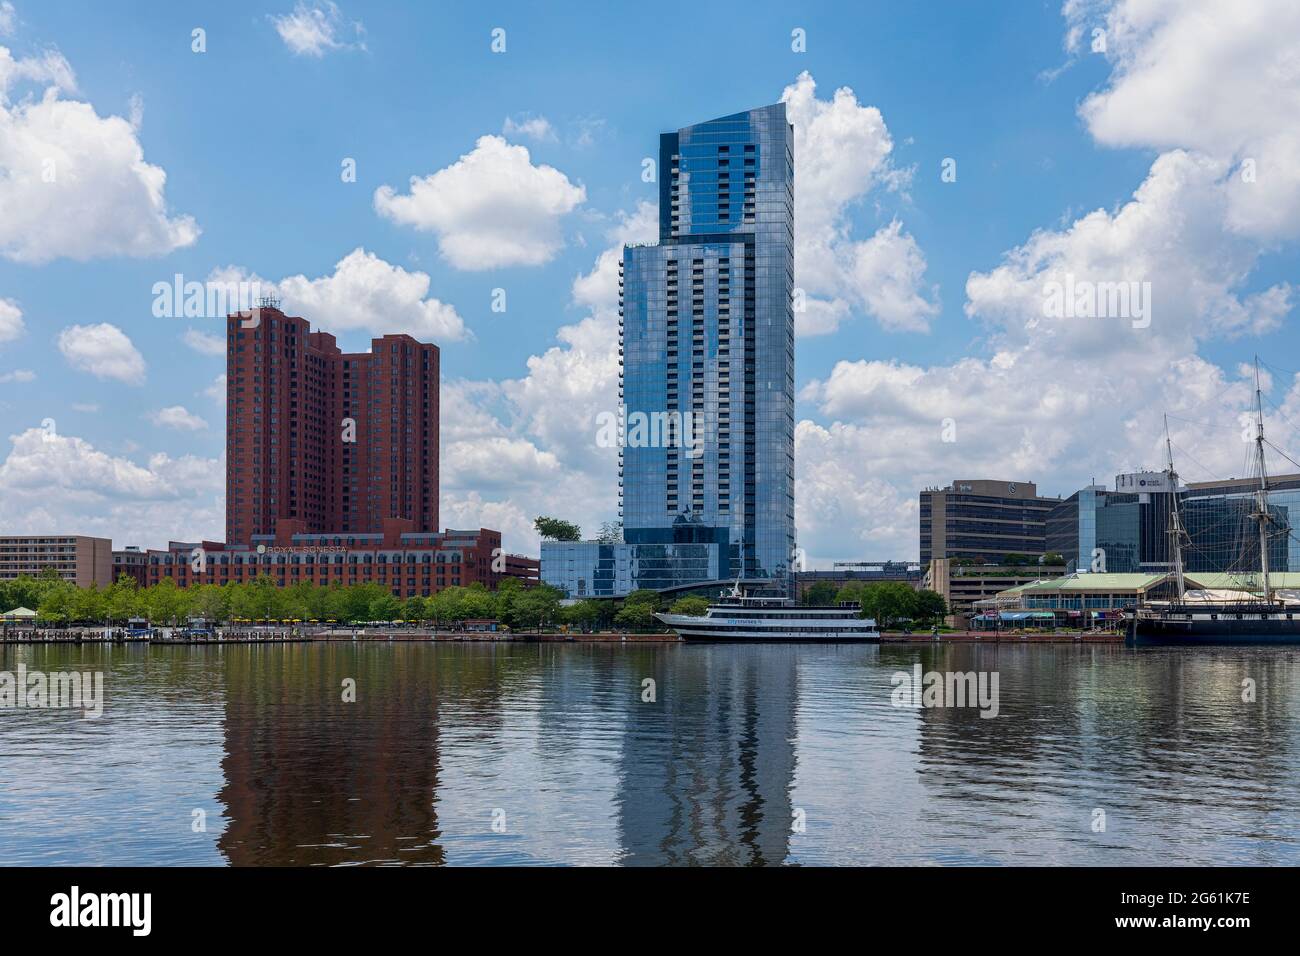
706,635
1160,631
793,631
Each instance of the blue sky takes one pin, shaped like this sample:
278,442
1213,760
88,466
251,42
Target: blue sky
927,293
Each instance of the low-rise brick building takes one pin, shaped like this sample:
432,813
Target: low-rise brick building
409,563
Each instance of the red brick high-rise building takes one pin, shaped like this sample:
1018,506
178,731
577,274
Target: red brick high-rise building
324,441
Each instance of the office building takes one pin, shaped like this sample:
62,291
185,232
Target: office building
707,346
321,441
983,520
77,558
1127,530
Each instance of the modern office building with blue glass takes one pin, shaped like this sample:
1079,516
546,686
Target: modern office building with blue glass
1127,530
706,326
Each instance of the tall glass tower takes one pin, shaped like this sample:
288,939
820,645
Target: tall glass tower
707,350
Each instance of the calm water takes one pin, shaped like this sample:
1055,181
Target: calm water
554,744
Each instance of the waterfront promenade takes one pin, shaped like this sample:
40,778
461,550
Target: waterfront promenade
246,635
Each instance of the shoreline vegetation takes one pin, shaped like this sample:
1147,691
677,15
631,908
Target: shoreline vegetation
513,607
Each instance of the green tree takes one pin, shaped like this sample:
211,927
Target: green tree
821,594
166,603
930,605
585,615
22,591
889,602
57,601
644,596
637,616
385,607
122,600
537,607
211,602
694,606
557,529
415,610
90,605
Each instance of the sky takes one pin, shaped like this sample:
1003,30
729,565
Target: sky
468,173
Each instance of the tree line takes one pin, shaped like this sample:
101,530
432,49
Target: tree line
888,602
518,607
164,604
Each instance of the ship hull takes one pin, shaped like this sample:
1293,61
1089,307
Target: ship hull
756,631
712,635
1158,631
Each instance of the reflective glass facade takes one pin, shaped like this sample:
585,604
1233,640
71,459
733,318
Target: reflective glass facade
584,569
1072,527
1224,536
1133,529
707,330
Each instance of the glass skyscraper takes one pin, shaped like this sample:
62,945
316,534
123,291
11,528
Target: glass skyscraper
707,349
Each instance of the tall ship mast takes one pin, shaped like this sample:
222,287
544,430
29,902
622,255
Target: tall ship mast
1176,532
1240,614
1261,513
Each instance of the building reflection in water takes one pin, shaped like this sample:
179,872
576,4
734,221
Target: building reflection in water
313,780
706,772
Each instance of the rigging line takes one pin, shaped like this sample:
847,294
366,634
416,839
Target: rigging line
1278,368
1192,421
1223,391
1183,452
1281,414
1282,453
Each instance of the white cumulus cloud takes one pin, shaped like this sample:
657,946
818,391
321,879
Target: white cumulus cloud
1219,80
50,480
74,184
841,153
104,351
205,343
11,321
363,292
490,208
177,417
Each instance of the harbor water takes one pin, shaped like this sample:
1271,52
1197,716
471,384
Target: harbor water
653,754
